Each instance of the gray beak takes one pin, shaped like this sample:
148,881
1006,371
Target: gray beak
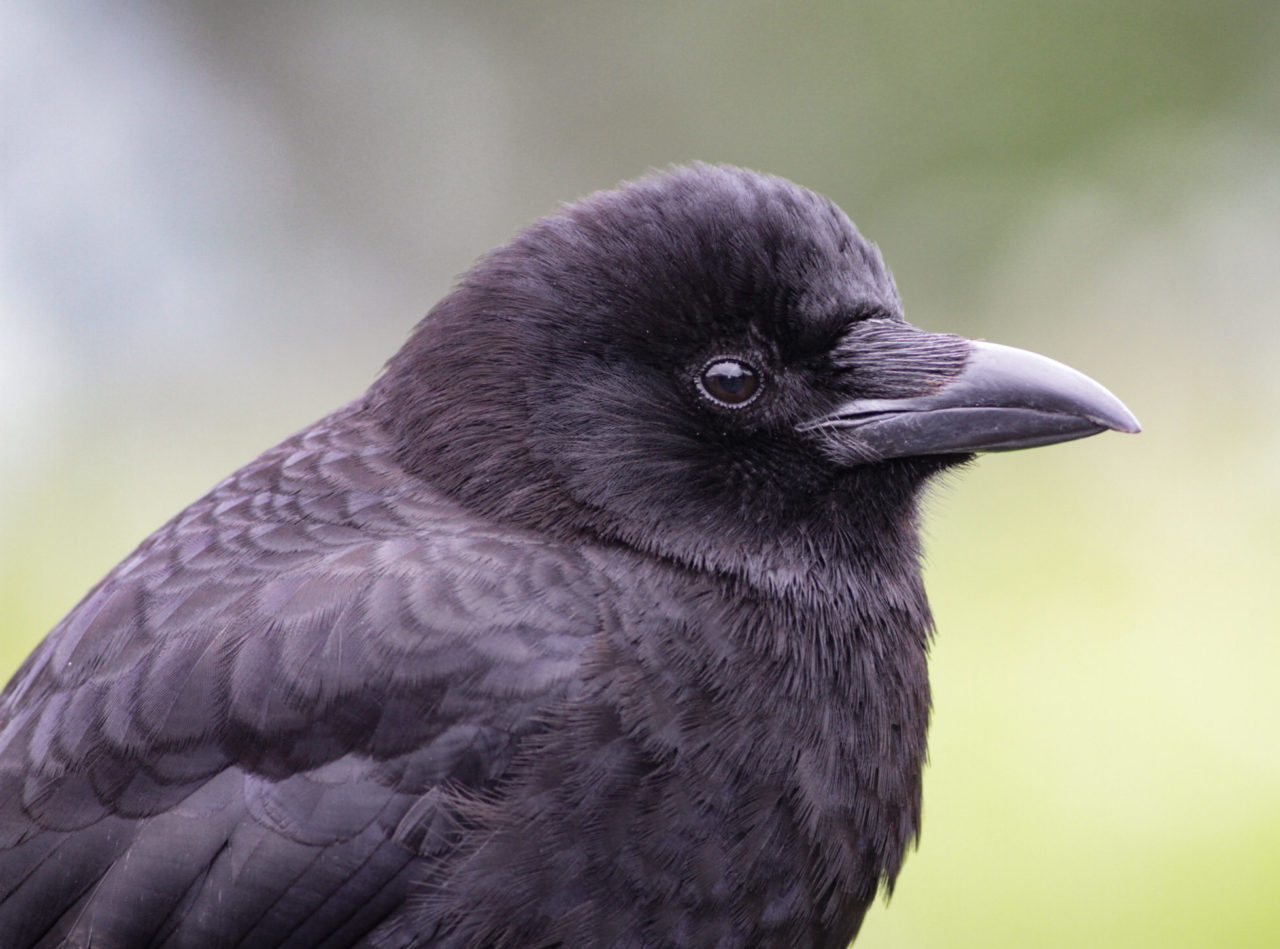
1004,399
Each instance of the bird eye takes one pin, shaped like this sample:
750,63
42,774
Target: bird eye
729,382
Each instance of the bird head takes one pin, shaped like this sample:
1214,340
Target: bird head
705,363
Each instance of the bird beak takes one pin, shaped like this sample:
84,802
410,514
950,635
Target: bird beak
1003,399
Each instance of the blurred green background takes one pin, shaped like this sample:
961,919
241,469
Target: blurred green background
220,218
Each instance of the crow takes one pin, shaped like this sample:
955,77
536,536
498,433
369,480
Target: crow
596,621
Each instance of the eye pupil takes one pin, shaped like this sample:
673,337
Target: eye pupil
730,382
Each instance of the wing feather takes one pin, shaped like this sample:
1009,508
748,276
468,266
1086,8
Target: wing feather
235,737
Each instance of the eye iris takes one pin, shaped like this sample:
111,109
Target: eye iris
730,381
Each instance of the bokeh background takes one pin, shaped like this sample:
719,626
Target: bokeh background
219,218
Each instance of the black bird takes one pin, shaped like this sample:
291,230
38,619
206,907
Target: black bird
596,621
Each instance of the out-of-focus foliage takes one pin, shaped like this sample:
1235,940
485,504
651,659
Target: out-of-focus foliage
219,218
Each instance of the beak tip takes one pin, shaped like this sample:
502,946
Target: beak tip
1120,419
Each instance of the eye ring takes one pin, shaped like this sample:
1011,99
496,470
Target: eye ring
730,382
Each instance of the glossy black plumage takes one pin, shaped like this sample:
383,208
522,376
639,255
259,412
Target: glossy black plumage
534,644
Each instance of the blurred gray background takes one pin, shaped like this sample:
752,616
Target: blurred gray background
219,219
